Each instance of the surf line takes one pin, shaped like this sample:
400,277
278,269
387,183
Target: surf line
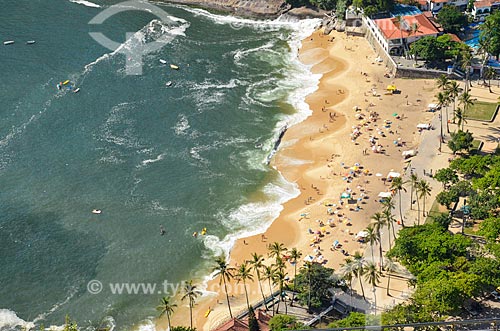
276,144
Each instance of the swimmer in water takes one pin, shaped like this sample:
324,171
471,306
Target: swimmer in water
162,230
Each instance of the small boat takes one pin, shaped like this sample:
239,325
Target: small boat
30,42
173,66
8,42
66,82
96,211
169,83
162,61
76,90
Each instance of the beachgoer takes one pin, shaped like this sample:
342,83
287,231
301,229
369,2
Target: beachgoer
162,230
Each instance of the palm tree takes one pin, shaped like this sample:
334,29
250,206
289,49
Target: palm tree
466,101
388,205
459,114
295,255
400,22
398,186
453,91
417,193
257,264
308,268
442,81
442,100
279,278
347,270
389,222
359,269
225,272
372,238
372,276
413,181
489,74
425,190
166,308
268,274
390,267
244,272
466,64
378,224
275,250
191,293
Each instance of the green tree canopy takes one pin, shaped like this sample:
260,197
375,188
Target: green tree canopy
321,281
490,228
460,141
352,320
452,19
417,247
490,33
446,176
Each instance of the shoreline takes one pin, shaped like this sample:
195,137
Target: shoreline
319,147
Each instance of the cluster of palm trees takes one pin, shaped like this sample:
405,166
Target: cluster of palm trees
359,267
167,306
449,94
274,273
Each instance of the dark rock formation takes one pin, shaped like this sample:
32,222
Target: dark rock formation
252,8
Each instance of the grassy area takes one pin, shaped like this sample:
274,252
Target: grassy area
476,144
481,111
435,210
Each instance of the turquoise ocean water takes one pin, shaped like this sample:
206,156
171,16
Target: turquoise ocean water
187,156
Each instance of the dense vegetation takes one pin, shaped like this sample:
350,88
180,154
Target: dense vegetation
436,48
451,19
369,6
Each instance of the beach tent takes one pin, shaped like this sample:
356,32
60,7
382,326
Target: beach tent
362,234
425,126
345,195
409,153
433,106
393,174
309,258
385,194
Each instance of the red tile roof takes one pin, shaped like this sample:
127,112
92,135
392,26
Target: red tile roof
485,3
390,28
242,325
454,37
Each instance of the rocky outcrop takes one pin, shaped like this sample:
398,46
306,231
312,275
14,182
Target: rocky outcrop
257,8
330,22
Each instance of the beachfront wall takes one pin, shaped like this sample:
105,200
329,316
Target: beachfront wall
379,44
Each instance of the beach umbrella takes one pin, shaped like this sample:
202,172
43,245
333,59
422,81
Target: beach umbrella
394,114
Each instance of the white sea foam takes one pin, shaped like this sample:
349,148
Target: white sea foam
155,30
149,161
254,217
9,320
85,3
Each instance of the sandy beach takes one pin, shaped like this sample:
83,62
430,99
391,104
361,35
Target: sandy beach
328,154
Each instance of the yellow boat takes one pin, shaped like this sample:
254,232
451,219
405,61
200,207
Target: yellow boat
66,82
173,66
208,312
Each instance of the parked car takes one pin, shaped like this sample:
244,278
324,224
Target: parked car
496,294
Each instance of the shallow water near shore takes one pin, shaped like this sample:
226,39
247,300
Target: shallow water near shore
182,156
